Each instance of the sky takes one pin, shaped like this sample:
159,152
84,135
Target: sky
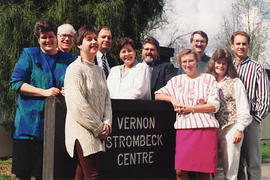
185,17
188,16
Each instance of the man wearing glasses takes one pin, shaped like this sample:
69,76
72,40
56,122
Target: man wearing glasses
198,42
65,37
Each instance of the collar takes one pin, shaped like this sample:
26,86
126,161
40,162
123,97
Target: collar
225,78
83,61
135,62
244,61
99,55
153,63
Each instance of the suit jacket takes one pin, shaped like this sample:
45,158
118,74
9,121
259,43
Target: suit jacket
111,63
110,60
162,72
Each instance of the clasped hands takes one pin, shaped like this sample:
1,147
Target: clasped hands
180,108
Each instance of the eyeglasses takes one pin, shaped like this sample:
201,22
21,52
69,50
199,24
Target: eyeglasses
197,41
64,36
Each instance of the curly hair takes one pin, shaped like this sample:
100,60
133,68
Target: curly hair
44,26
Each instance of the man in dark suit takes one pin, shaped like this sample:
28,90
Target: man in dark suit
102,59
161,72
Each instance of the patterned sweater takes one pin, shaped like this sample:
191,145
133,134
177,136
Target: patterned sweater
88,106
234,106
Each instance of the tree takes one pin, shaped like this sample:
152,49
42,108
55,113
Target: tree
17,18
17,24
251,16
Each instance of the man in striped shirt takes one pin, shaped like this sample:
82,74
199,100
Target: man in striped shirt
255,79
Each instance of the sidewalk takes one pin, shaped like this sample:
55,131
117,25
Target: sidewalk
265,172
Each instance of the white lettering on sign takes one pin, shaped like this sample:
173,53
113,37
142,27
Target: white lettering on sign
136,122
142,125
134,141
134,158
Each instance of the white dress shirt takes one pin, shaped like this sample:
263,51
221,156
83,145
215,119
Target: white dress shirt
131,84
99,60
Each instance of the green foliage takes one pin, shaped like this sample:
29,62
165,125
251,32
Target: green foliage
6,161
6,177
17,23
265,149
17,18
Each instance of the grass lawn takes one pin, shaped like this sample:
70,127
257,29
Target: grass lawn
5,170
265,152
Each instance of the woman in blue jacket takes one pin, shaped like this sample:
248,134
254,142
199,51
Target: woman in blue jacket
39,73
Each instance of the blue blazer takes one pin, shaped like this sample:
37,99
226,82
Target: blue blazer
42,71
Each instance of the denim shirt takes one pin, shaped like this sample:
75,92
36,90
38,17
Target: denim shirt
42,71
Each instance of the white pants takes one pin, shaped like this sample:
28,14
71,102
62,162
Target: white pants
230,153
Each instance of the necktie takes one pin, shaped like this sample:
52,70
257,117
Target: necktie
104,65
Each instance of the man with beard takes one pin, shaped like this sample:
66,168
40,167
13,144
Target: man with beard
198,42
102,58
161,72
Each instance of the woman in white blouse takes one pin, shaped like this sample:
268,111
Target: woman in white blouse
195,99
132,79
89,114
233,115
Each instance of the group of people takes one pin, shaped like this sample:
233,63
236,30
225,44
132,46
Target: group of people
216,100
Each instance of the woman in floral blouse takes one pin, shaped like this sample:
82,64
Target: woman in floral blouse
233,115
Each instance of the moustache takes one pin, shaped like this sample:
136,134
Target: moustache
198,46
149,55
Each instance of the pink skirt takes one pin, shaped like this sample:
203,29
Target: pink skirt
196,150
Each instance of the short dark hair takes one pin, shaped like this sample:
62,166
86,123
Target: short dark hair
44,26
202,33
186,52
225,55
82,32
153,41
241,33
103,27
125,41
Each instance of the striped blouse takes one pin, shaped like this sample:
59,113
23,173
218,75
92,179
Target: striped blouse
187,91
255,79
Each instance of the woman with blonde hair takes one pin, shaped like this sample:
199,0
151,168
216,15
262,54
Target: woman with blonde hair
195,99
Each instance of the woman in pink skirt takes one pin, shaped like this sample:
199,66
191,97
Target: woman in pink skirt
195,99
